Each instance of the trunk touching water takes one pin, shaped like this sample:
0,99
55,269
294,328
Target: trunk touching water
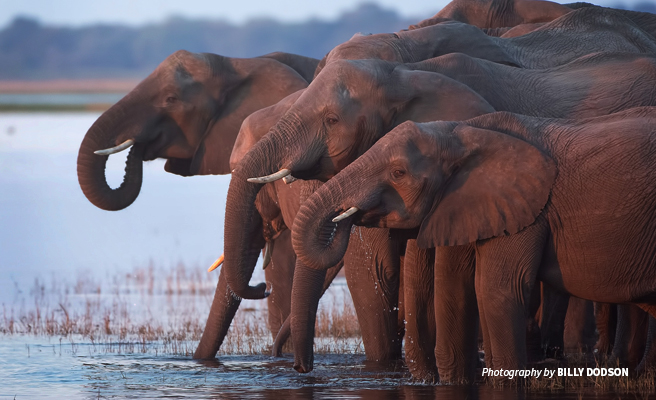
91,167
222,312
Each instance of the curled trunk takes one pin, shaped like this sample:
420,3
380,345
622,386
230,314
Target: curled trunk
319,242
91,167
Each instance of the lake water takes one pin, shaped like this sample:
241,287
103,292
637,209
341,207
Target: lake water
50,233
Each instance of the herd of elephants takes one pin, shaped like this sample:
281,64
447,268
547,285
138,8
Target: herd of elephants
470,174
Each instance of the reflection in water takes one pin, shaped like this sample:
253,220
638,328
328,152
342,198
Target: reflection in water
38,369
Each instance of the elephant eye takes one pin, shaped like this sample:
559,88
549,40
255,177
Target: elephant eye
171,100
332,120
398,173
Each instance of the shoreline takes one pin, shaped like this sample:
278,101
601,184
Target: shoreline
67,86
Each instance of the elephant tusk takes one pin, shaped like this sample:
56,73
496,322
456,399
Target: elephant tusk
271,178
216,264
268,250
345,214
113,150
288,179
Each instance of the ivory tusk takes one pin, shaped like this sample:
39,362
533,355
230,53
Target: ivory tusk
113,150
216,264
345,214
288,179
268,250
271,178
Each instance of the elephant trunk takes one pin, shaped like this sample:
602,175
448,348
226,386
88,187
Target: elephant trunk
243,222
306,292
319,242
224,307
91,167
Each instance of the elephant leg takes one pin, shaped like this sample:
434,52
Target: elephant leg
456,314
506,271
534,351
419,312
279,276
649,358
223,309
371,265
579,325
285,330
606,321
630,336
554,312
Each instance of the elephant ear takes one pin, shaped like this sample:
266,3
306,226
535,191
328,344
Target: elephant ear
498,188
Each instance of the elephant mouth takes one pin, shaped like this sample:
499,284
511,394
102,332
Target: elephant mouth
329,231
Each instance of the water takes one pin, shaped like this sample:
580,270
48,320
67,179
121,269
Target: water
48,227
50,370
50,232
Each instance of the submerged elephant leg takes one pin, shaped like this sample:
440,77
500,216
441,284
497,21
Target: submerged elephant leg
506,271
419,312
223,309
371,264
456,314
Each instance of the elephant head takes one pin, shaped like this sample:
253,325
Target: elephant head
341,114
456,183
187,111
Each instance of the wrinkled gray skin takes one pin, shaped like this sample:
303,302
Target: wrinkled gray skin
558,42
497,13
545,199
644,20
371,262
352,103
189,111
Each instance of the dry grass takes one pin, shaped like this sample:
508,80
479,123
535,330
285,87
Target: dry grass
160,310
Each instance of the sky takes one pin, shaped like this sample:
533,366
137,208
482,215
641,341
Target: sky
138,12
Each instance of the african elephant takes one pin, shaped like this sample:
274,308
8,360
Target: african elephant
189,111
351,104
575,34
554,200
371,264
497,13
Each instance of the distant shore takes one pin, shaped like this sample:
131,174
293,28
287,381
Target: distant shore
85,87
68,86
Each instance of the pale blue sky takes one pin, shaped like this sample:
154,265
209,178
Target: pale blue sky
135,12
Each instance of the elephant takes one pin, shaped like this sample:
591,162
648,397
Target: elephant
189,111
371,263
644,20
497,13
558,42
544,199
352,103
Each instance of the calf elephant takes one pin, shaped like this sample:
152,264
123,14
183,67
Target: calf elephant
537,198
189,111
